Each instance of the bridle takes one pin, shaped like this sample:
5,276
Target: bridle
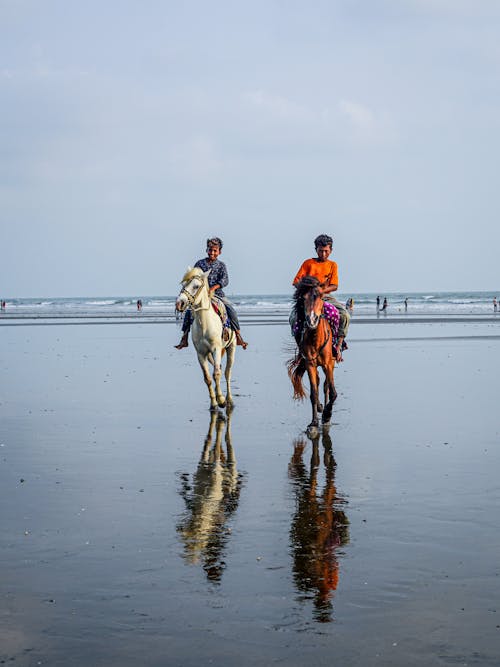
306,326
191,298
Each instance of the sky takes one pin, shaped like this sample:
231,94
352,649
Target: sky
132,131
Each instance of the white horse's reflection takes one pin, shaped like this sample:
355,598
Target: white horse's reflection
211,498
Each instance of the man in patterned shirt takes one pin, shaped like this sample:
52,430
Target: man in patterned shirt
326,272
217,279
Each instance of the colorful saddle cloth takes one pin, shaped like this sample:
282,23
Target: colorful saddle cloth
220,308
330,313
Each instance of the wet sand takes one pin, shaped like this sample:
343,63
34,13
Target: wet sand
136,531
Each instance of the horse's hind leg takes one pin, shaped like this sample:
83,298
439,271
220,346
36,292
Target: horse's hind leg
228,370
208,381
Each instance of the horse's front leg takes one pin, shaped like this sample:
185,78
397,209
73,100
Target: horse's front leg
208,380
217,355
331,392
312,372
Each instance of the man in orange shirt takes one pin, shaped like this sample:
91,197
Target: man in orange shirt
326,272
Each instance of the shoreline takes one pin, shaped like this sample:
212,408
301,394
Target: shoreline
256,318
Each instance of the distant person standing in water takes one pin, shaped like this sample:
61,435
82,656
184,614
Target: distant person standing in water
384,306
406,304
495,304
139,304
378,303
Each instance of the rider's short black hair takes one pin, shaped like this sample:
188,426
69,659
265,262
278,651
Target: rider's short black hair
323,240
215,240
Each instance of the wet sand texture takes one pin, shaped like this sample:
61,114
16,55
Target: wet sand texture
136,531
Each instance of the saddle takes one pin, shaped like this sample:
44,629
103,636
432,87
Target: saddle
220,308
331,315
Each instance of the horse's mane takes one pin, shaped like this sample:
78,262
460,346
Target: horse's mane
306,284
191,273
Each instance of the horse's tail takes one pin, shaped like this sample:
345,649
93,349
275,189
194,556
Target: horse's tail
296,368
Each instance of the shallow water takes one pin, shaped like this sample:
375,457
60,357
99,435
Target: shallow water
144,532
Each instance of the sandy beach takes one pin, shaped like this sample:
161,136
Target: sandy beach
138,531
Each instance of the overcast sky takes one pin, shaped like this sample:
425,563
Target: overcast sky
131,131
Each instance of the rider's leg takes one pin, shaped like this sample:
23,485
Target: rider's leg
234,322
186,326
344,320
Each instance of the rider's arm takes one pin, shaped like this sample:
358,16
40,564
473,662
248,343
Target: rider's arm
222,276
331,283
329,288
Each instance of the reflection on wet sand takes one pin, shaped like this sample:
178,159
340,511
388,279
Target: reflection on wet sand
210,499
319,526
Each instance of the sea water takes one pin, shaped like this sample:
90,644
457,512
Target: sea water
419,303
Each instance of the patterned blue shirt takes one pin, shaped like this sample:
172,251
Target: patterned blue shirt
218,274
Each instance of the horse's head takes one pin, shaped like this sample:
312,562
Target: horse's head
309,301
193,283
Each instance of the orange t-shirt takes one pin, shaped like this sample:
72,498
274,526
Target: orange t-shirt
325,272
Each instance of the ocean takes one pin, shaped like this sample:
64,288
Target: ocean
419,303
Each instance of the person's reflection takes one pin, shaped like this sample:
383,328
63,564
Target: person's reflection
319,526
210,500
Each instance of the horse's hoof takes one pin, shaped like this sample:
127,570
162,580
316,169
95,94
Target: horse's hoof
312,429
213,408
221,402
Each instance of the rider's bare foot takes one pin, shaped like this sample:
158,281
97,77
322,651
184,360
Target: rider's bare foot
183,343
240,341
338,348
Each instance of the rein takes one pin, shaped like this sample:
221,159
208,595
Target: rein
191,298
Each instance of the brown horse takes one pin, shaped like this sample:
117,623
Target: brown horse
315,338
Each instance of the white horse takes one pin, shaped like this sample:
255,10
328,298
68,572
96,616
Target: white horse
207,332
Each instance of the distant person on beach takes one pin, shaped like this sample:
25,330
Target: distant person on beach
406,304
378,303
217,279
326,272
495,304
384,306
139,304
349,304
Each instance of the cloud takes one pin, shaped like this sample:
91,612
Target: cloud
279,107
196,158
360,117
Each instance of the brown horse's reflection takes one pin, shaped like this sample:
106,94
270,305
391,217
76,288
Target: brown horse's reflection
210,499
319,526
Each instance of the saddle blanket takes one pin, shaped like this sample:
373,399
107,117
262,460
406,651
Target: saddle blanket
220,308
330,313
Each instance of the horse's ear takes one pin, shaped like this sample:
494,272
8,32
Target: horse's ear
189,268
207,273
